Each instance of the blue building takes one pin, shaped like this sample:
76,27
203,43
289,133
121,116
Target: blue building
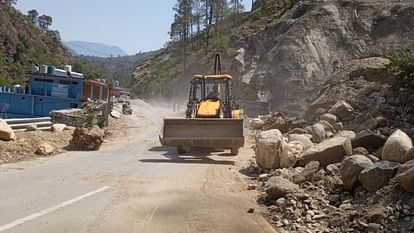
47,89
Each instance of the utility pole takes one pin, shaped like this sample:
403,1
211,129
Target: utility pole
109,99
108,104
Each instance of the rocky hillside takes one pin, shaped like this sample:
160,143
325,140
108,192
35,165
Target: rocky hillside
349,166
22,45
290,54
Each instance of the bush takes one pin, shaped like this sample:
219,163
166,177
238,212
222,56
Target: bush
402,65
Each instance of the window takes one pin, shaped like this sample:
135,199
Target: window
64,82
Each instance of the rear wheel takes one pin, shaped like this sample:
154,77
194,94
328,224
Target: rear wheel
234,151
180,150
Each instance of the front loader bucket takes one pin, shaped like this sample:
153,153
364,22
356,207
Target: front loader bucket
204,133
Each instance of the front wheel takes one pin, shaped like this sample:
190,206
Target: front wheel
180,150
234,151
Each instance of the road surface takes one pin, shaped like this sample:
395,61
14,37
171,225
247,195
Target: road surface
132,185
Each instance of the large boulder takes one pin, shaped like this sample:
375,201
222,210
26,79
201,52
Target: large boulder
306,142
58,127
268,149
307,173
276,121
88,138
346,134
406,180
45,149
277,187
409,155
341,109
350,169
6,132
327,126
369,140
298,131
291,152
378,175
318,133
257,123
406,166
330,151
331,118
396,147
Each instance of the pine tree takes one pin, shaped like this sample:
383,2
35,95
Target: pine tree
33,16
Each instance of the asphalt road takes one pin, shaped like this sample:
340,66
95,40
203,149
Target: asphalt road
129,186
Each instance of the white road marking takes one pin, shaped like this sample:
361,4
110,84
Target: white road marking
51,209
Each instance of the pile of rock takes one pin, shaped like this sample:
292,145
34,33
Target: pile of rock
88,138
70,117
339,169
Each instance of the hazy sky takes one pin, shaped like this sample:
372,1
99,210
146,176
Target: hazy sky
133,25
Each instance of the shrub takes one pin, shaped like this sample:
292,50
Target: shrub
402,65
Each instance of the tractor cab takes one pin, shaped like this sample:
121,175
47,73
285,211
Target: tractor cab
210,97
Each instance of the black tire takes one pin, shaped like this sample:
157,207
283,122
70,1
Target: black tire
234,151
180,150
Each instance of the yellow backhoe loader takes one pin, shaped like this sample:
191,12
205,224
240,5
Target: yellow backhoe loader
213,120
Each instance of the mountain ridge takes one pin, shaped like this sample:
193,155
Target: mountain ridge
87,48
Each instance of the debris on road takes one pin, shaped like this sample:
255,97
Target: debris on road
88,138
45,149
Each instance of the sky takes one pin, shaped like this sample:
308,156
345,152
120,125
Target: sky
132,25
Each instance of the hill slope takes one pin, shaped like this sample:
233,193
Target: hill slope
120,68
290,54
22,45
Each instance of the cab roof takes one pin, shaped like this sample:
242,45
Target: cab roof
213,76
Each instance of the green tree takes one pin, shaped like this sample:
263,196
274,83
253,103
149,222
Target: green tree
181,27
8,2
33,16
45,22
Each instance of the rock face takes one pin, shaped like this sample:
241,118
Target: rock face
257,124
277,187
269,146
350,169
341,109
6,133
45,149
290,154
89,139
396,147
378,175
306,142
330,151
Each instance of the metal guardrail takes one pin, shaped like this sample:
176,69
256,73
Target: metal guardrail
20,124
